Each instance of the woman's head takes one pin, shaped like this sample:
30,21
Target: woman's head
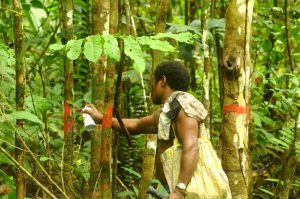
169,74
176,74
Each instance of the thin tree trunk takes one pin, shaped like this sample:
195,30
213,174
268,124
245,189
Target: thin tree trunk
206,77
20,92
219,49
287,175
236,68
69,119
157,57
287,36
106,140
191,8
268,91
114,28
186,11
100,12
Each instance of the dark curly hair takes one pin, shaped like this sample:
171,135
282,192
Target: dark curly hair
176,74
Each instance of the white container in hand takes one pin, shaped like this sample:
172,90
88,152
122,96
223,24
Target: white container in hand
88,121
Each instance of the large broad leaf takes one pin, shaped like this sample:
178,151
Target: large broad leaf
216,23
93,47
156,44
185,37
55,47
73,49
26,116
133,50
111,47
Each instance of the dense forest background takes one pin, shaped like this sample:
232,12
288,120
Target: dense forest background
58,55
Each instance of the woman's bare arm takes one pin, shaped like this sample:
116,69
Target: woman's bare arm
144,125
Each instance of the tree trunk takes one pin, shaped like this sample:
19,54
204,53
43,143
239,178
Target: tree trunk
100,12
206,78
69,118
106,142
219,48
236,66
157,57
268,91
20,92
114,28
288,172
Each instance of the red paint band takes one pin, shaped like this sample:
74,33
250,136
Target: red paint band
236,108
68,120
107,118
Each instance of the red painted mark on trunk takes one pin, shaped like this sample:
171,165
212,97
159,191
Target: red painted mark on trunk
68,121
107,118
236,108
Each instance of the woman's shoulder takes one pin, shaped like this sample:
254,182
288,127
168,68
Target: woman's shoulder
192,106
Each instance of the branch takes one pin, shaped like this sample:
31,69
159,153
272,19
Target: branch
42,168
118,96
287,35
27,173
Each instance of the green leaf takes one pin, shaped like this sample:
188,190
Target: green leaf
37,4
5,160
26,7
93,47
256,119
185,37
277,9
266,191
132,172
216,23
44,159
56,47
125,194
73,49
272,180
23,115
8,70
4,55
156,44
267,120
111,47
133,50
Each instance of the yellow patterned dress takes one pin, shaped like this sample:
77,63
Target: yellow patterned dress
209,180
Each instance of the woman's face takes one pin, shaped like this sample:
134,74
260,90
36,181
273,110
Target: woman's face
156,91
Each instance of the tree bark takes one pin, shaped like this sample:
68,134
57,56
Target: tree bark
69,118
206,58
287,35
106,140
219,48
157,57
100,17
114,28
20,93
236,66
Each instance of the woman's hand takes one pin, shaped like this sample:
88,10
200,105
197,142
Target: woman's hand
93,112
177,194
